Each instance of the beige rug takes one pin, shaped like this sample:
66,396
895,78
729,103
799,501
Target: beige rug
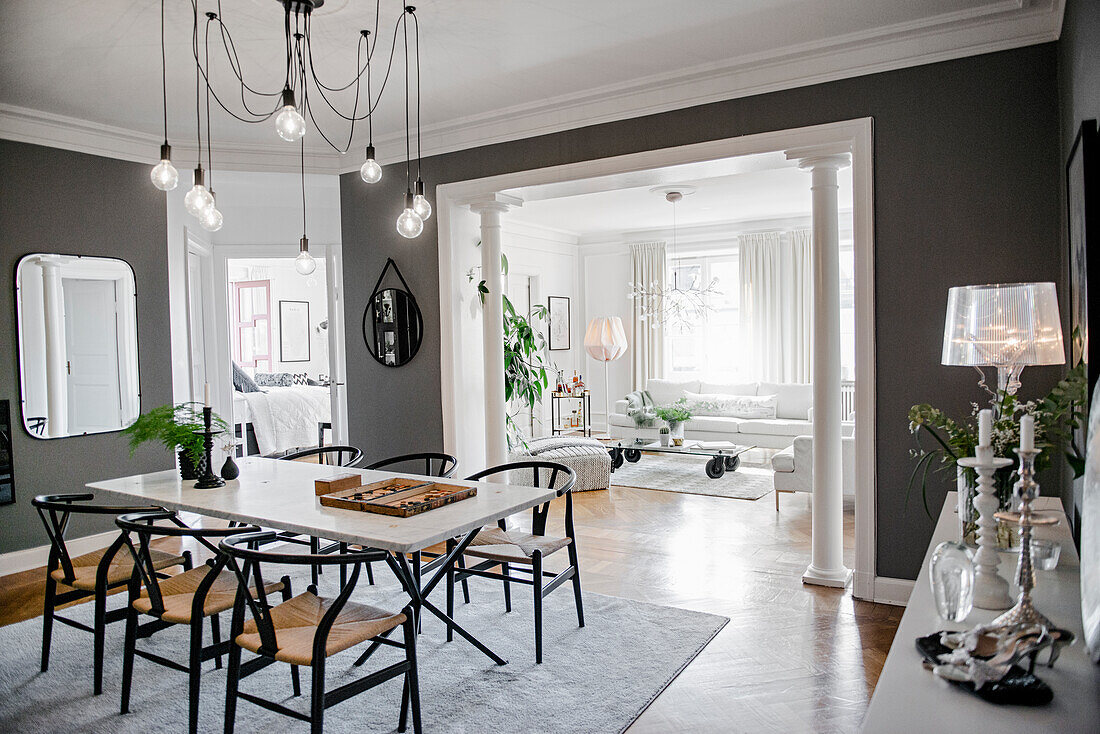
687,475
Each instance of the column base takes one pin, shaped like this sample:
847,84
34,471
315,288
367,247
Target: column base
836,578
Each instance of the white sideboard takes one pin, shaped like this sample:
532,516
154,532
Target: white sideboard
908,698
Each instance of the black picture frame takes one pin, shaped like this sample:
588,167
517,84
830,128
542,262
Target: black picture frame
283,334
1083,225
557,331
7,463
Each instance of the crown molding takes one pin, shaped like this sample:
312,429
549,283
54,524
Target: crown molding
995,26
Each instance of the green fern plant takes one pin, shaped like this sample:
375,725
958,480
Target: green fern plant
174,427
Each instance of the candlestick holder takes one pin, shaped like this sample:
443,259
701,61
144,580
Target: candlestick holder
208,480
1025,491
990,589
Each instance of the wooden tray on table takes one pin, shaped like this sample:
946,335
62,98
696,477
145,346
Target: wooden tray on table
399,497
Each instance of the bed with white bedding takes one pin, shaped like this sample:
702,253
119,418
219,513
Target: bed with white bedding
283,418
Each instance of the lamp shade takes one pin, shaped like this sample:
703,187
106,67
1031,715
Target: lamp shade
1008,324
605,338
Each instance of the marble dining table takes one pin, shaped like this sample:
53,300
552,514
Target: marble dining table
280,494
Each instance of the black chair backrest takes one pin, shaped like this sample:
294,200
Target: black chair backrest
428,463
537,474
55,510
142,524
331,455
244,558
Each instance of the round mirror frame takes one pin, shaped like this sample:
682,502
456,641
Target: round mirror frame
368,319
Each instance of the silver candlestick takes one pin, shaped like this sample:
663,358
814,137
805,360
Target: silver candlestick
1025,491
990,589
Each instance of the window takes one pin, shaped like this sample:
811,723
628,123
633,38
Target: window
711,349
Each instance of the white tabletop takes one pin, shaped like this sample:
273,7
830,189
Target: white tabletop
280,494
910,699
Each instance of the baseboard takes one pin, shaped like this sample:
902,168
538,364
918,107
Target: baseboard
28,558
893,591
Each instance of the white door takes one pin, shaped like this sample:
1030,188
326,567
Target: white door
91,348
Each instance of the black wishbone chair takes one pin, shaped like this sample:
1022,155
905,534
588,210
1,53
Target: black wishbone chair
187,598
90,575
347,456
516,551
309,628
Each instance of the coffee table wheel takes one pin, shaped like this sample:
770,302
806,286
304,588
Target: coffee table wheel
633,455
716,467
732,462
616,458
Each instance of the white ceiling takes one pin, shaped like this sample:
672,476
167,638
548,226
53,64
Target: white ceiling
87,74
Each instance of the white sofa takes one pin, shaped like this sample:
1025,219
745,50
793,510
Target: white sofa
794,409
794,466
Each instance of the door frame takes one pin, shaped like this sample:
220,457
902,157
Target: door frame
856,136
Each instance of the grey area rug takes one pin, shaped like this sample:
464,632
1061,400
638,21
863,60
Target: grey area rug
687,475
596,679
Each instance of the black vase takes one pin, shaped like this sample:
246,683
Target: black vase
230,470
188,469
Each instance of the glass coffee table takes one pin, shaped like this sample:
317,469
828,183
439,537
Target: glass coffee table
724,456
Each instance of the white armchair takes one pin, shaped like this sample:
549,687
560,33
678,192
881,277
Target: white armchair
794,467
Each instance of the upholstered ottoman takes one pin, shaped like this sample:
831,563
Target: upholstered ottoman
585,456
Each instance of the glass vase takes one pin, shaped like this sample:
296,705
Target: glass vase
966,481
951,574
676,432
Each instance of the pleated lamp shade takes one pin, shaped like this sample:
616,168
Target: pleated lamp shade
605,338
1010,324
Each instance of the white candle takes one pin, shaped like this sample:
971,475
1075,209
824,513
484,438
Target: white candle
206,394
985,427
1027,433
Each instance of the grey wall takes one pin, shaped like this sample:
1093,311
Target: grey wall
966,191
1079,90
58,201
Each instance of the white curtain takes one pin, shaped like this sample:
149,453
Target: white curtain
776,303
647,261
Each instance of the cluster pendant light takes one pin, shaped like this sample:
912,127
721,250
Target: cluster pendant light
293,106
304,263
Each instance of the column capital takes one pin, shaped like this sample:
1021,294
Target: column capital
492,202
832,155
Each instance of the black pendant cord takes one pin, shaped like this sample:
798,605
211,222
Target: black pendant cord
209,139
163,72
370,117
416,38
198,70
408,152
303,149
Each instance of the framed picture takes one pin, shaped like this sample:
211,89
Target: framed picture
1082,190
558,314
293,331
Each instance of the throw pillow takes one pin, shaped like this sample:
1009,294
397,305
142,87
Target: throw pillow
242,382
301,378
639,406
732,406
274,379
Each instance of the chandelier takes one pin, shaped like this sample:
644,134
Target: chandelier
681,306
291,105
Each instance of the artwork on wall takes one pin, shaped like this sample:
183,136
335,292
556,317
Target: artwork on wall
294,331
559,323
1082,190
7,471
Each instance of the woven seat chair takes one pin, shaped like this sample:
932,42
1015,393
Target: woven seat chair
188,598
520,554
307,629
90,575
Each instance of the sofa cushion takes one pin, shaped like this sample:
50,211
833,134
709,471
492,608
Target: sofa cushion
776,427
625,421
714,424
745,388
795,399
667,392
731,406
784,460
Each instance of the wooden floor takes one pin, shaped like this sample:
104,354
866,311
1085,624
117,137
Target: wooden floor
793,658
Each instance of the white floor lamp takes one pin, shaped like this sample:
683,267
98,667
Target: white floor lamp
605,340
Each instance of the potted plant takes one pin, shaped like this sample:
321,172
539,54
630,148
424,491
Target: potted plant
1056,417
675,415
664,434
174,426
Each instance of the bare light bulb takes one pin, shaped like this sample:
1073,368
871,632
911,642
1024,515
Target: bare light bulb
290,125
409,224
371,172
210,218
198,198
164,175
421,205
304,263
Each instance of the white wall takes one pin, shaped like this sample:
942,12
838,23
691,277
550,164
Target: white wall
606,272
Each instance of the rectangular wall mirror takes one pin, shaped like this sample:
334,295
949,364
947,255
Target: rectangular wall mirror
78,363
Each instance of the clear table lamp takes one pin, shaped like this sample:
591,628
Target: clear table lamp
1005,325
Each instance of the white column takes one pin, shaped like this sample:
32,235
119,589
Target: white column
827,561
57,381
490,209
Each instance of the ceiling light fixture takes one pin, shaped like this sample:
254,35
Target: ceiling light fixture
674,307
304,263
210,218
410,224
164,175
